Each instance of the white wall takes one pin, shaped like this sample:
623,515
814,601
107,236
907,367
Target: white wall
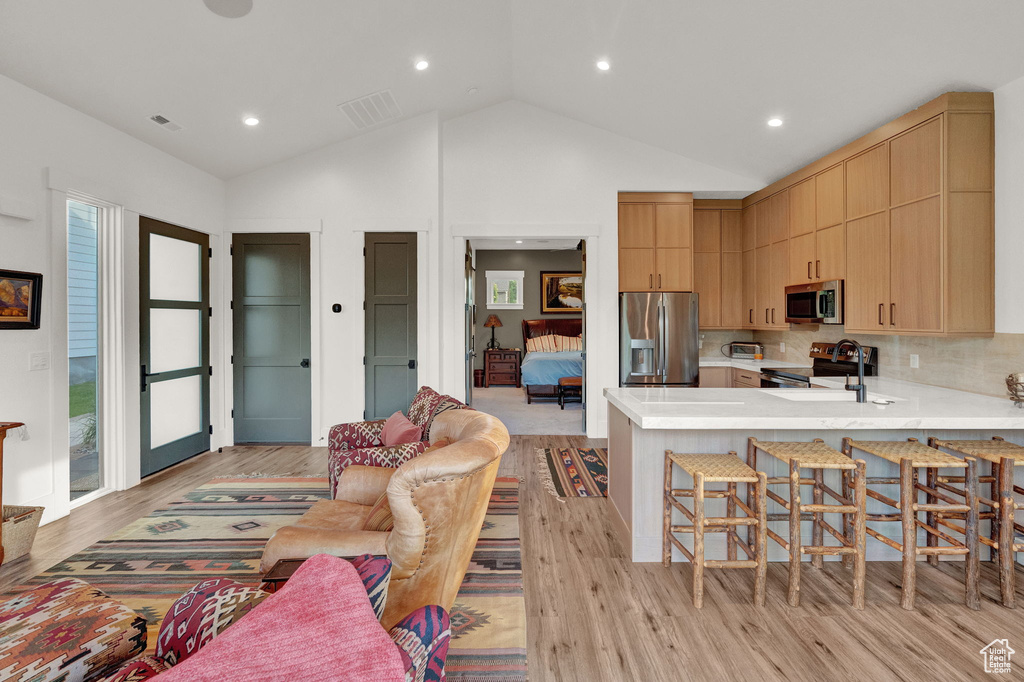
517,170
1009,104
384,181
46,144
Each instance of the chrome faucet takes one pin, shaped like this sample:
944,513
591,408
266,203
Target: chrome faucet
862,390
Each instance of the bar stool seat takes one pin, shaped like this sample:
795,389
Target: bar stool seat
716,468
811,455
817,456
1003,457
917,452
939,507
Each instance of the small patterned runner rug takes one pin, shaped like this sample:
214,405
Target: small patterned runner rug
574,472
220,529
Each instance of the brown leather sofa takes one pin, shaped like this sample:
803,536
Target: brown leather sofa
438,501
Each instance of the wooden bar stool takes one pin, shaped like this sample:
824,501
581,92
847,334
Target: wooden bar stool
728,469
912,455
1002,458
817,456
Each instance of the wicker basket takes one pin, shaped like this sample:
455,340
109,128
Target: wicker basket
1015,385
19,530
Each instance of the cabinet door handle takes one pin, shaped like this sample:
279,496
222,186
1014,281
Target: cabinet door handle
808,269
650,281
892,314
817,269
881,312
751,318
766,316
773,315
659,280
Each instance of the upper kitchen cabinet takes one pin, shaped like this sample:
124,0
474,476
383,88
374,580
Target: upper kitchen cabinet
904,215
718,263
655,241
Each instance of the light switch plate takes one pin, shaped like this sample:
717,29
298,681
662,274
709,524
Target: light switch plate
782,347
38,361
915,361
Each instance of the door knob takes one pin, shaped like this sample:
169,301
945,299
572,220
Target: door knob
304,363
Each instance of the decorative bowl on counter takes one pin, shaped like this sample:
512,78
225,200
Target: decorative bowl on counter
1015,385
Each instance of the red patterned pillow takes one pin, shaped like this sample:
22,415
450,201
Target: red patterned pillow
145,668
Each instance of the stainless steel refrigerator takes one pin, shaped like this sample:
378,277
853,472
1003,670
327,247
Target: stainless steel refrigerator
658,337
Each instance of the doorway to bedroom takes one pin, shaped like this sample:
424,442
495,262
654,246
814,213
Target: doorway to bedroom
526,341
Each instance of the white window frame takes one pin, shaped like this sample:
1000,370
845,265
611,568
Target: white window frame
502,275
111,357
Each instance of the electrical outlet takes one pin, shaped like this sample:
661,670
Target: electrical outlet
782,347
915,361
38,361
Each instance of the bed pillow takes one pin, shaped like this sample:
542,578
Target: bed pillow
572,343
541,344
399,430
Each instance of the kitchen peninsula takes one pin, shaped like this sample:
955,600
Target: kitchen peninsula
644,422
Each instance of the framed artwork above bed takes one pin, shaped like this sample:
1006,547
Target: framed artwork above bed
561,292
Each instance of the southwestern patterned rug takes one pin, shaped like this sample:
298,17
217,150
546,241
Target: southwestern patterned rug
574,472
220,528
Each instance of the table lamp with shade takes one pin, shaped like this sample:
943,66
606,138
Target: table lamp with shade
492,322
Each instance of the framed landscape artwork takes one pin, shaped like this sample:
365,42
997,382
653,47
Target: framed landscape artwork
561,292
20,294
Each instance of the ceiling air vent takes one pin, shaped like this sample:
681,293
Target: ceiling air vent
371,110
165,123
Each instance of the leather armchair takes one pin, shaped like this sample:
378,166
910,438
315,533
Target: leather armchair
438,501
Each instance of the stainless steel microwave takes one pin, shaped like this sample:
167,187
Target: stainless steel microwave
816,303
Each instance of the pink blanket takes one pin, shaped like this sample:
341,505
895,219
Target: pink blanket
319,626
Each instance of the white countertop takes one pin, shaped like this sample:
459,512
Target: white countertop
917,406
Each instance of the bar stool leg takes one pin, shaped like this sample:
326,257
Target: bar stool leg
847,490
794,533
908,496
817,532
972,567
860,534
931,478
730,511
761,548
666,522
1006,534
698,541
993,528
751,492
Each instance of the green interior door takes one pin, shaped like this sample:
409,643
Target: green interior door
390,342
271,340
174,326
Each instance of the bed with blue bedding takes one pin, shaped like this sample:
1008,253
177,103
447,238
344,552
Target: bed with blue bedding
541,371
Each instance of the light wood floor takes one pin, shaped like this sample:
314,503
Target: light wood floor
594,615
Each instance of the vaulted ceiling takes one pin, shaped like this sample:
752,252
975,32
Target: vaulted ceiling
696,78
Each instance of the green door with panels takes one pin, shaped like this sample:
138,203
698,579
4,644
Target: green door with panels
271,338
390,318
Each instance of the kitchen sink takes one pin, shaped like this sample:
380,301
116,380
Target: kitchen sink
815,395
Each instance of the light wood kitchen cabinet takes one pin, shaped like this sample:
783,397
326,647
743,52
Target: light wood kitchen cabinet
801,259
778,216
802,218
655,241
763,294
867,277
915,162
749,228
715,377
749,307
828,197
915,267
830,253
867,182
745,378
764,226
777,292
718,273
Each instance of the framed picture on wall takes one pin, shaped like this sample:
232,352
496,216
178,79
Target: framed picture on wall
20,294
561,292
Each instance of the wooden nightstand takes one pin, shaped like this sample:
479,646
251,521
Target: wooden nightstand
501,367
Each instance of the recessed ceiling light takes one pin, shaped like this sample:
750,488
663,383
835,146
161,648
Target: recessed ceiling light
422,64
603,65
251,121
519,241
775,122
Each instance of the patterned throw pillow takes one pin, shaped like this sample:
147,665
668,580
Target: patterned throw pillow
380,518
542,344
570,343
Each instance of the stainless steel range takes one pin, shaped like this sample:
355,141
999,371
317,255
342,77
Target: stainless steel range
821,366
